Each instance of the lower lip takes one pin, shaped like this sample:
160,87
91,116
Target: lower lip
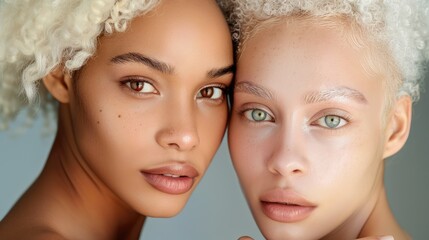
170,185
286,213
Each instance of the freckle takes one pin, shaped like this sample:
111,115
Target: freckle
98,122
119,116
101,110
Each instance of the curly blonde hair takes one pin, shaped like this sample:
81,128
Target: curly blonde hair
38,35
400,26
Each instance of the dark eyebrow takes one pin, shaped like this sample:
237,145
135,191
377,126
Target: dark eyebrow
335,93
140,58
215,73
254,89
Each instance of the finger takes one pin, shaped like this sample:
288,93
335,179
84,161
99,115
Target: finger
245,238
377,238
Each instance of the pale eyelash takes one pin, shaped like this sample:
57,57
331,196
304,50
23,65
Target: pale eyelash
344,117
241,113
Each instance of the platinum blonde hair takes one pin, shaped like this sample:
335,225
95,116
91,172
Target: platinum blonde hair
38,35
400,26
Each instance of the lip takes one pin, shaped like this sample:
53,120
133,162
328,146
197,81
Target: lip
285,205
172,179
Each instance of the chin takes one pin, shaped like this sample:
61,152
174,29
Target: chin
164,213
285,235
285,231
164,208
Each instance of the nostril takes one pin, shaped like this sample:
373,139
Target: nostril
173,145
181,140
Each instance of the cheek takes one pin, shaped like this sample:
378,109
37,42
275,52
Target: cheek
346,162
113,140
248,153
210,125
111,135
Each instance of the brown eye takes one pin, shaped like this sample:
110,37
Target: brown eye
141,86
207,92
211,92
136,86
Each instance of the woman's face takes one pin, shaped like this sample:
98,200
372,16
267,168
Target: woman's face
306,134
149,110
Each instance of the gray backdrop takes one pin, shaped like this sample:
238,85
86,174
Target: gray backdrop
217,209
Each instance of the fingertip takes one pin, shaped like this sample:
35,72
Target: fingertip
389,237
248,238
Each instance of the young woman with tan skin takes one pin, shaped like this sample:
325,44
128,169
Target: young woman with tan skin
140,87
323,95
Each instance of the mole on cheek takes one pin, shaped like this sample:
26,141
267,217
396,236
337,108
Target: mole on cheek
101,110
119,116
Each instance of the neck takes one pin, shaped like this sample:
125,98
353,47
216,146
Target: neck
374,218
381,221
73,202
351,227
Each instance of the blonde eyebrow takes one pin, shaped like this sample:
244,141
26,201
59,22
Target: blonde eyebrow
335,93
254,89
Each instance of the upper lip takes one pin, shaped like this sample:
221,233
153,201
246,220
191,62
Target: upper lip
285,196
174,169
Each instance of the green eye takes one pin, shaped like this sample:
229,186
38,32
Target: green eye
331,121
257,115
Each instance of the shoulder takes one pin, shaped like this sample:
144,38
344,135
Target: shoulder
47,235
32,233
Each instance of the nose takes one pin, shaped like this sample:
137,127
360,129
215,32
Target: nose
179,131
181,139
287,158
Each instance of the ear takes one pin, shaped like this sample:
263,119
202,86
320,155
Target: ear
59,83
398,126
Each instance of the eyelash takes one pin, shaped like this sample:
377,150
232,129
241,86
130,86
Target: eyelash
343,121
244,113
127,83
221,87
130,80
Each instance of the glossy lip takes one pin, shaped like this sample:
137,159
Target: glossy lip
285,205
172,179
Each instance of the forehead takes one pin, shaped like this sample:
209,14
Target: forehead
292,43
373,56
300,57
172,28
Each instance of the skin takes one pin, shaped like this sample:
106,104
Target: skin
293,79
119,117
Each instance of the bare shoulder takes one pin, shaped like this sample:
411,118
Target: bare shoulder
47,235
34,236
36,233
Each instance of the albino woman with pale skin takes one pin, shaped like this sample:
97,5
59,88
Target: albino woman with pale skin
323,95
138,122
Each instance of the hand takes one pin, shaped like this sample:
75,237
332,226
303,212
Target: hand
366,238
377,238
